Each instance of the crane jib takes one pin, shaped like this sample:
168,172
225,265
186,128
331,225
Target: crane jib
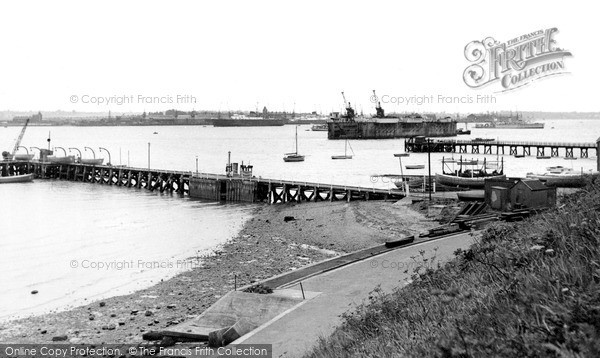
18,142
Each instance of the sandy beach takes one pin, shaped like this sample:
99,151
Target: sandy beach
267,245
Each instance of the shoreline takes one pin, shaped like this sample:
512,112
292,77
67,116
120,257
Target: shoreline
266,246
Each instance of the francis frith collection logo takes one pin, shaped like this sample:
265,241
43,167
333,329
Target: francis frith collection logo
514,63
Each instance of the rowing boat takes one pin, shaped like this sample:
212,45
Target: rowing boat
16,178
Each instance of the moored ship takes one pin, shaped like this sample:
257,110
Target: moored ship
349,126
511,123
240,120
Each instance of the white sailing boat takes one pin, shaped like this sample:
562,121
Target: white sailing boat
294,157
345,156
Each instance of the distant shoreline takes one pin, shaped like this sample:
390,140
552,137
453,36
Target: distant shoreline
112,124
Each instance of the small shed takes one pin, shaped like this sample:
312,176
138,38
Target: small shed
509,194
532,193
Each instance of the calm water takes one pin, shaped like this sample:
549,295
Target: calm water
48,224
59,238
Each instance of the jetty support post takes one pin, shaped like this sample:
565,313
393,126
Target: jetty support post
429,165
598,154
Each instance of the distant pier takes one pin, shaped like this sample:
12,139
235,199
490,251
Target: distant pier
483,146
215,187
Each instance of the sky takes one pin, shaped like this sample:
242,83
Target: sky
230,55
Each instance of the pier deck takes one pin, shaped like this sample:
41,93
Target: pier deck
483,146
207,186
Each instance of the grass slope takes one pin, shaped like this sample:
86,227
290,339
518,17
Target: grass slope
528,289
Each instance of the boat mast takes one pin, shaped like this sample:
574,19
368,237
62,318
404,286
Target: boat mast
296,139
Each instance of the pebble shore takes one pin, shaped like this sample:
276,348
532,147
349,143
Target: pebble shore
267,245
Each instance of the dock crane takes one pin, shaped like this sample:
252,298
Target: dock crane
11,155
18,142
350,114
344,97
378,109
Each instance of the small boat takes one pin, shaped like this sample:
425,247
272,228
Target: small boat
16,178
483,139
519,155
61,160
319,127
155,133
294,157
471,195
466,181
559,176
91,161
346,155
543,157
471,175
570,158
464,162
401,155
26,157
415,166
414,182
462,131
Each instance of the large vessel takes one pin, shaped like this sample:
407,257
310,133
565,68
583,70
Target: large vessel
511,123
241,120
349,126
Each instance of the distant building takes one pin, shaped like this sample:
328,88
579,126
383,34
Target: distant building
35,118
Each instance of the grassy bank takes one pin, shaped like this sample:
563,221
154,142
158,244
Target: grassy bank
528,289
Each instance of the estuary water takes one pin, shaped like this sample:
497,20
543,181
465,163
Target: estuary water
75,242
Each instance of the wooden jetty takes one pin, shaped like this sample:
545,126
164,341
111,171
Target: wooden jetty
216,187
482,146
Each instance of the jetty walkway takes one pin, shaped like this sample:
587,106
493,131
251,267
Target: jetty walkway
236,187
487,146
